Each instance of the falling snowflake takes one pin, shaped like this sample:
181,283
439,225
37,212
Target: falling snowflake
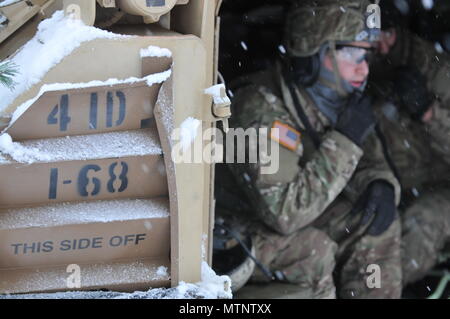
428,4
438,47
282,49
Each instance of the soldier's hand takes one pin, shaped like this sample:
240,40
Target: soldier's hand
410,86
378,201
357,120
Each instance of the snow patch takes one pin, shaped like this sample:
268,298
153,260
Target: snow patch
162,271
211,286
20,153
204,245
216,92
83,147
55,39
82,213
188,132
154,51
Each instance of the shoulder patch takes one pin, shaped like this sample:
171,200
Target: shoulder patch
285,135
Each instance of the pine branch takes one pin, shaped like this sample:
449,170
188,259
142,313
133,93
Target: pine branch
7,72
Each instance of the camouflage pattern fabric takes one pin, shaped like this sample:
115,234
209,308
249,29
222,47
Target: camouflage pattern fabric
310,24
419,151
426,202
410,147
293,197
426,231
308,265
414,51
439,129
358,252
308,182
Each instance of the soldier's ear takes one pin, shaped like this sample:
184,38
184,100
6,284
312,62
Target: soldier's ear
304,70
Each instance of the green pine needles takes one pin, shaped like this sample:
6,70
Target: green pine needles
7,72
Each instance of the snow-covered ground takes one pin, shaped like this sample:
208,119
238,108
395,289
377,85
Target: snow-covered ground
212,286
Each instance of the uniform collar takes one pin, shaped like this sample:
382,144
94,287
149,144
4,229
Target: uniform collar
317,119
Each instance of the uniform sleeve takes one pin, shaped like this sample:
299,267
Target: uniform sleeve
436,67
372,166
295,195
439,130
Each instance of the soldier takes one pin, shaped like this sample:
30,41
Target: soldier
316,100
414,113
404,56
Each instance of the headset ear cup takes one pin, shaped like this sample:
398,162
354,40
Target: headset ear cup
305,70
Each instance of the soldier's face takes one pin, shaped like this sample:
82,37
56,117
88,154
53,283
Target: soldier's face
351,68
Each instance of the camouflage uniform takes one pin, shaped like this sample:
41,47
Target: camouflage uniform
411,50
300,217
439,129
420,153
291,201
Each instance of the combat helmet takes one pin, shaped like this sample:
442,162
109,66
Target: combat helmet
311,24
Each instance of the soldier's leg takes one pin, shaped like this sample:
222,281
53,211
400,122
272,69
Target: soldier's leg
425,231
306,258
357,251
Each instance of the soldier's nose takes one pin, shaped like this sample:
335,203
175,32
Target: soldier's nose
362,69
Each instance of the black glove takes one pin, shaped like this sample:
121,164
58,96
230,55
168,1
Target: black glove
378,200
357,120
410,86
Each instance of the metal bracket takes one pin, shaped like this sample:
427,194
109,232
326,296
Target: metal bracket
221,108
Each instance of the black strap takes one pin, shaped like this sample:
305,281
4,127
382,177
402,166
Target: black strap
386,153
309,129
